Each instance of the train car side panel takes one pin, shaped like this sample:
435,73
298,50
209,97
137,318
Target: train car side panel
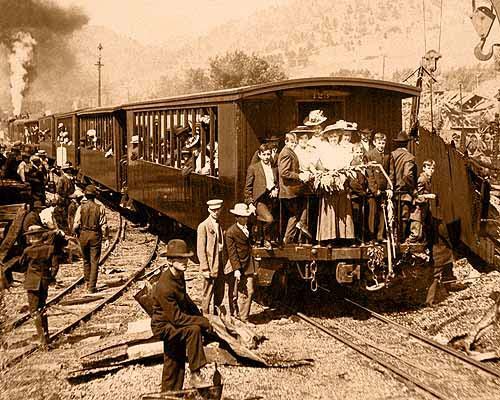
47,136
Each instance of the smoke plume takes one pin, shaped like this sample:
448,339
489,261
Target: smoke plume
30,28
20,60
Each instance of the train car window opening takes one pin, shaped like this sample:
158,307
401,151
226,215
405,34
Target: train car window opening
184,138
97,133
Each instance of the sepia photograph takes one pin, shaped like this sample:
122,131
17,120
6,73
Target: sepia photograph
249,200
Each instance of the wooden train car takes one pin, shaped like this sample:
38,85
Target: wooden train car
19,129
237,120
102,145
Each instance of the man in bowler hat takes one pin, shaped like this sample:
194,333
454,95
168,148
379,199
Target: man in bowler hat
178,322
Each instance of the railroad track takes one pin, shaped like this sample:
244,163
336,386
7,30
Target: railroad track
126,259
445,374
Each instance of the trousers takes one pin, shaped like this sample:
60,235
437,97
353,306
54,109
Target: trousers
90,243
175,345
295,211
36,302
241,295
212,287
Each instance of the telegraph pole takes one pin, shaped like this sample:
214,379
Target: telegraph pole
99,65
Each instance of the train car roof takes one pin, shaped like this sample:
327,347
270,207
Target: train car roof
235,94
24,120
68,113
99,110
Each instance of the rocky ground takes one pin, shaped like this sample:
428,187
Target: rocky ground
336,372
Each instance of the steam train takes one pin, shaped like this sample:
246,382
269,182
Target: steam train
231,124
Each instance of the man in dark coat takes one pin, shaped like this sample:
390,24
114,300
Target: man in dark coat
291,189
178,322
405,168
91,225
240,268
42,265
378,187
261,191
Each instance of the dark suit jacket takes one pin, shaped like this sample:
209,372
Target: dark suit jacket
288,170
405,172
172,307
376,179
239,250
42,266
255,185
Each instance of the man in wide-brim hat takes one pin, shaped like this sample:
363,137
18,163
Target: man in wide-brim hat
177,321
406,174
240,268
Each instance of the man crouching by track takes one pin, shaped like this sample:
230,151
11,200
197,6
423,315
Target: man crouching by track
178,322
91,225
40,258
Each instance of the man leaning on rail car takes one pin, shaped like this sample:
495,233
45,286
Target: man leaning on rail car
291,189
178,322
210,251
91,225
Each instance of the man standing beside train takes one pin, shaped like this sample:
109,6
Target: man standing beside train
210,251
291,189
91,226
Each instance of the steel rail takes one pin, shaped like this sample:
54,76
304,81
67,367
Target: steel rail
493,371
113,296
53,300
373,357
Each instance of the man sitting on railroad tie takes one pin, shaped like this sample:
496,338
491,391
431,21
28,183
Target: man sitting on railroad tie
261,192
178,322
405,169
91,225
240,268
210,251
42,265
291,189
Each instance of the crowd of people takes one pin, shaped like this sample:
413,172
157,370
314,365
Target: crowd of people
37,239
337,185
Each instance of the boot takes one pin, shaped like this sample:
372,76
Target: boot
40,329
198,380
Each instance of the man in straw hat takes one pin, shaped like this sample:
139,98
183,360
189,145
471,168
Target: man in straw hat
177,321
405,168
210,251
91,226
240,268
42,265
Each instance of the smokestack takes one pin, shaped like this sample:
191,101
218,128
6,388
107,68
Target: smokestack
25,24
20,60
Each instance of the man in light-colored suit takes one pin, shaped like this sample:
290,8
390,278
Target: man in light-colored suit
210,251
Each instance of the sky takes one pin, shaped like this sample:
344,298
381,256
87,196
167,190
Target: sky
152,21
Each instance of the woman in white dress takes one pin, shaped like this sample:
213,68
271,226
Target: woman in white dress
335,212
